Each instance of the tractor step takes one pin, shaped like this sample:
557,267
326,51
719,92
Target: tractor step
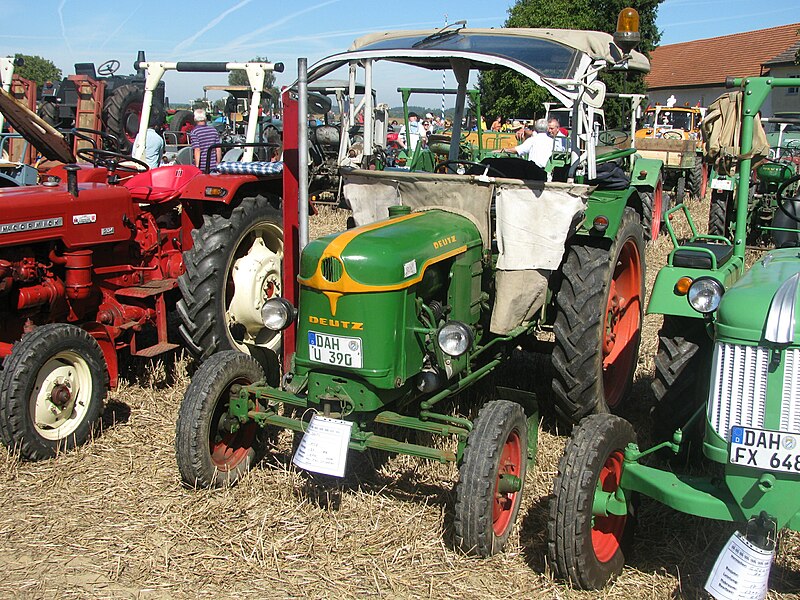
155,349
151,288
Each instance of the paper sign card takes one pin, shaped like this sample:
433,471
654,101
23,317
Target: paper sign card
741,571
323,448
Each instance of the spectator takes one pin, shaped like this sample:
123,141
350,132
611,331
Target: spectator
152,142
203,137
537,146
415,133
554,131
497,125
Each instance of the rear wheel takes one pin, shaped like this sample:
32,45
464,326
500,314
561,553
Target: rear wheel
491,478
680,189
598,324
232,269
122,112
587,518
52,388
653,209
209,451
48,112
720,212
181,123
697,179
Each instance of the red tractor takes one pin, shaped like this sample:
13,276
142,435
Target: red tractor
91,262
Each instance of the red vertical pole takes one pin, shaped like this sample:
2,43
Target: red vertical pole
291,245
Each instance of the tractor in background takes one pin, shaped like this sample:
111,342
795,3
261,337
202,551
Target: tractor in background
727,388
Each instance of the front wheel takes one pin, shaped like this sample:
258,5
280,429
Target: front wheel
721,213
588,516
698,179
491,478
52,388
598,324
653,210
232,269
210,451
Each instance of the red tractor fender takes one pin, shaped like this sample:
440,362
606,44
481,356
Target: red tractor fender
100,333
225,188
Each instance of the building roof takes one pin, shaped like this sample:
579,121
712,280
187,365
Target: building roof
709,61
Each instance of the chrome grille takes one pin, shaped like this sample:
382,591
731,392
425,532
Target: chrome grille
331,269
790,406
738,393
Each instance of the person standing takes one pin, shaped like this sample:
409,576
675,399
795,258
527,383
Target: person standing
153,144
203,137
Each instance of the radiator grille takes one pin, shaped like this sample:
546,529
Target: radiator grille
790,407
331,269
739,389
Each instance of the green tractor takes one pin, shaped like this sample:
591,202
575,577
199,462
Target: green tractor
443,276
727,387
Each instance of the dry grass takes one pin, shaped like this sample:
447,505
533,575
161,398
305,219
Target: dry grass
111,520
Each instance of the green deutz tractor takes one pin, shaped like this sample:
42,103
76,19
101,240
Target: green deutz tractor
727,387
443,276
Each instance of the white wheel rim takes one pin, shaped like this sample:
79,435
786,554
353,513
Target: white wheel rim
256,278
61,395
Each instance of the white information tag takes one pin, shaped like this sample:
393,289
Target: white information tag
410,268
722,184
323,448
741,571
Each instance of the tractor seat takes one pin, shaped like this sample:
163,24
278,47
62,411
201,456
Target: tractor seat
691,255
161,184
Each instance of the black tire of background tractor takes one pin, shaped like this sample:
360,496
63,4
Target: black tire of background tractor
123,101
582,303
178,121
680,188
48,112
594,451
64,359
651,205
721,204
207,457
694,181
682,379
497,445
204,286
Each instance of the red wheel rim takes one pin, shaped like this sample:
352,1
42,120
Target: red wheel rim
703,181
229,450
622,324
607,531
134,108
658,210
504,503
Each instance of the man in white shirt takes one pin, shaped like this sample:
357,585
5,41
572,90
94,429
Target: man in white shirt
537,147
415,132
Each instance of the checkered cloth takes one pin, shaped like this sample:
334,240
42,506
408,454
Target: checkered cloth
250,168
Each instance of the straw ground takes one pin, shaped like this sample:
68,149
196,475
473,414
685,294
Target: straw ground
111,519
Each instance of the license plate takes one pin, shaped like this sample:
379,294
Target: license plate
335,350
766,450
722,184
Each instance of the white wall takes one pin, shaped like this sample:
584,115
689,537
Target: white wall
786,99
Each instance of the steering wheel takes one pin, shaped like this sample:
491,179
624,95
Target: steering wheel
612,137
782,202
448,164
672,134
108,68
112,160
84,133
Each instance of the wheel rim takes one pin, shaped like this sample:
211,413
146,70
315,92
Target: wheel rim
61,395
229,450
607,531
623,323
504,502
658,209
254,277
134,109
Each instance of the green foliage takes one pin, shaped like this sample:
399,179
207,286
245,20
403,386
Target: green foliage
239,77
40,70
508,94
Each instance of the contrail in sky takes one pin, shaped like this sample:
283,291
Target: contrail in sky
63,29
214,22
121,25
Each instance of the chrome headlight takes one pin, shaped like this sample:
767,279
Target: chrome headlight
455,338
277,314
705,294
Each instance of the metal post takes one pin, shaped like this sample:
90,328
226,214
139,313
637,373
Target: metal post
368,112
302,150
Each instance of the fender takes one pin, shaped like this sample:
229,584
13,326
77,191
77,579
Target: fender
225,188
101,333
645,173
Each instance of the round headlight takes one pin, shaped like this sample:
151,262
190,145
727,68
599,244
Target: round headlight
277,314
455,338
705,294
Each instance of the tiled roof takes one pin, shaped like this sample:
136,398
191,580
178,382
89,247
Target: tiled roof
709,61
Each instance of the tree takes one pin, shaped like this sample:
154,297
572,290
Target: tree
507,93
38,69
239,77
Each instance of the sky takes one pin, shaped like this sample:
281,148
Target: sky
70,31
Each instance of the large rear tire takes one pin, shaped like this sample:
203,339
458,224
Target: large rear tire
653,209
208,454
584,548
598,324
122,111
52,388
181,123
491,478
232,269
48,112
